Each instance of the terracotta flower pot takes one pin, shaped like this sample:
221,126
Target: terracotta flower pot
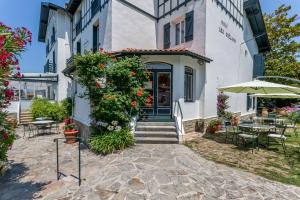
70,136
211,130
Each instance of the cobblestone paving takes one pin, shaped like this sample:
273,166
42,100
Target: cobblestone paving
156,172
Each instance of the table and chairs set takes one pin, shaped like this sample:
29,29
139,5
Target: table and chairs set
259,132
40,126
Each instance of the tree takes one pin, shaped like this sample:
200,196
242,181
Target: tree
282,30
12,43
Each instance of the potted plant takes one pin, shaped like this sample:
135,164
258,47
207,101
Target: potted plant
213,126
235,120
70,131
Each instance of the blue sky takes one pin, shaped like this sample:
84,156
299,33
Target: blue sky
16,13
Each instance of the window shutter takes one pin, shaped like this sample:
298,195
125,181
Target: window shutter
189,26
167,41
258,65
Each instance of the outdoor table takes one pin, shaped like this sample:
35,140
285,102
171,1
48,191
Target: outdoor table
42,124
275,120
259,128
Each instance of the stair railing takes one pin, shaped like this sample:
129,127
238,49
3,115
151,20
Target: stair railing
176,113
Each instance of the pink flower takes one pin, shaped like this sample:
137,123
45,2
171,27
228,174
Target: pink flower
18,68
5,83
5,136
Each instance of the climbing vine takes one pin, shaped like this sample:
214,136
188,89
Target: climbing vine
114,87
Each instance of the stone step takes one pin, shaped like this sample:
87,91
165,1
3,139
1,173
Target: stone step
155,123
156,140
156,128
155,134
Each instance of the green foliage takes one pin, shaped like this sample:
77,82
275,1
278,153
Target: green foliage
294,116
213,124
6,137
110,142
114,87
282,30
44,108
67,105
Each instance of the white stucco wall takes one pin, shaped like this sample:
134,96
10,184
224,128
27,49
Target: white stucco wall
62,48
133,29
198,43
232,61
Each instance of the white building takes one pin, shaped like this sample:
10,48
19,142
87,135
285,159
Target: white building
191,46
54,31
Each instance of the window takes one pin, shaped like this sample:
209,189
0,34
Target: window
188,84
78,47
250,102
179,33
234,9
189,26
95,38
167,36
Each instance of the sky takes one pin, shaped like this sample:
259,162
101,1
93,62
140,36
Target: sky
18,13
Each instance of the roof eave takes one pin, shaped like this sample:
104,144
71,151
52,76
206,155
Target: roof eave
257,23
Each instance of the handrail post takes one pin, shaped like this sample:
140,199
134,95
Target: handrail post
79,161
57,161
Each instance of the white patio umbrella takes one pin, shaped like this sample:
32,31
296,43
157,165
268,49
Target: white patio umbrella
278,96
260,87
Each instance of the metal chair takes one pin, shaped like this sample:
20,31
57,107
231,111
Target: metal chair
247,134
290,124
278,134
231,131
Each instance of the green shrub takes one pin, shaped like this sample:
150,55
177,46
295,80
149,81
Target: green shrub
44,108
67,104
111,141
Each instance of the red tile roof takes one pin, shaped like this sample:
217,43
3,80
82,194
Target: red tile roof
172,51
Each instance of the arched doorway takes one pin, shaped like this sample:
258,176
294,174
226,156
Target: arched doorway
159,86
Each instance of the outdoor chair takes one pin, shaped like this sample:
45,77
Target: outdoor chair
291,125
278,134
246,135
231,132
55,126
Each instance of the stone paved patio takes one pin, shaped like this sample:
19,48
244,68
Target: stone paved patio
158,172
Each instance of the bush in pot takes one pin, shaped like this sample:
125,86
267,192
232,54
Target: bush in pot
213,126
70,131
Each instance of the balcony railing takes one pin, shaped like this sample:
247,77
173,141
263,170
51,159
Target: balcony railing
95,7
50,67
78,27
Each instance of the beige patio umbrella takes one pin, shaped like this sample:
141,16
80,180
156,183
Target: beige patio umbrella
260,87
278,96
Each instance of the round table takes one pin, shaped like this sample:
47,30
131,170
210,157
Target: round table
43,124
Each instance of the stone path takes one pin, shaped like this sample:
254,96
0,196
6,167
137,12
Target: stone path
158,172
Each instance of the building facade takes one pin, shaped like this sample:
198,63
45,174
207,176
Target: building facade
192,47
54,31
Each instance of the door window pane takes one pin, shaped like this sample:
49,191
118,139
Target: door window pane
163,89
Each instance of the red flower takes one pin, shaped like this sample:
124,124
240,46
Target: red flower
101,49
133,104
101,66
140,92
68,121
132,73
5,136
5,83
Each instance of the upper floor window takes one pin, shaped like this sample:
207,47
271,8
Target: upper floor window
179,33
167,41
166,7
188,84
234,8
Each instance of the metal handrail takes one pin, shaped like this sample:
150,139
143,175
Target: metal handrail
176,110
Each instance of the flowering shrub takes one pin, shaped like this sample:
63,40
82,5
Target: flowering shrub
116,93
222,104
114,87
12,43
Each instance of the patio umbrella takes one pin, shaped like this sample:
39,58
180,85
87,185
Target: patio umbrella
278,96
260,87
